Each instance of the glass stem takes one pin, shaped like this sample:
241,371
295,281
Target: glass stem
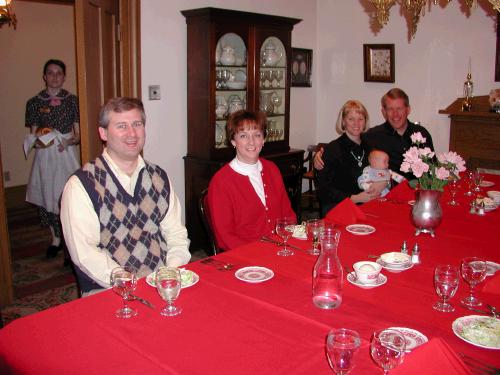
125,302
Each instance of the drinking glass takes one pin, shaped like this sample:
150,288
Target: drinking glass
454,186
470,184
168,284
478,179
473,272
277,100
446,284
279,76
388,348
313,227
342,346
123,281
284,229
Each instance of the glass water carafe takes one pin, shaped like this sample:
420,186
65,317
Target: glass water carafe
327,273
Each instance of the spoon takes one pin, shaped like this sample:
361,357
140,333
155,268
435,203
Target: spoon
493,310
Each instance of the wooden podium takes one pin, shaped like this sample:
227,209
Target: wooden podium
475,135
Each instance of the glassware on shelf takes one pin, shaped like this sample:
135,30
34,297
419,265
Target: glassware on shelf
280,73
276,99
265,103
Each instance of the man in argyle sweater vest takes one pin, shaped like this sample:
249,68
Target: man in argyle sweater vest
120,210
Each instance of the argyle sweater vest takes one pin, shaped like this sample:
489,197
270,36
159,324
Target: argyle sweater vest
130,225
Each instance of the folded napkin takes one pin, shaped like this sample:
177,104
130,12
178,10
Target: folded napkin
492,284
434,357
402,191
345,213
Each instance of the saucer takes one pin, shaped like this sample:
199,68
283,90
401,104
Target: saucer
413,338
394,269
254,274
381,280
360,229
491,268
486,184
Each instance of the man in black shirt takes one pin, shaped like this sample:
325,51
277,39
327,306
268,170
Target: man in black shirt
393,136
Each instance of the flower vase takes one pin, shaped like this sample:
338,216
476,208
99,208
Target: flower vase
426,213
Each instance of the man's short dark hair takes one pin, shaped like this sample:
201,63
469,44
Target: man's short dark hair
59,63
119,105
396,93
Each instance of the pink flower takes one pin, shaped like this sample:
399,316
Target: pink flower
454,161
419,168
442,173
417,138
412,155
426,151
405,167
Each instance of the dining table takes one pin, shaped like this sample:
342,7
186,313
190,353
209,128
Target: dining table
230,326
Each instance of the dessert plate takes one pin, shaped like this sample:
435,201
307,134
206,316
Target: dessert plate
254,274
413,338
492,268
188,278
478,330
486,183
360,229
394,269
395,259
381,280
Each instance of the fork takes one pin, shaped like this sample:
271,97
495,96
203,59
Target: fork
221,266
479,367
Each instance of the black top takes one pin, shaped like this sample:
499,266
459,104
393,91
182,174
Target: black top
384,137
339,178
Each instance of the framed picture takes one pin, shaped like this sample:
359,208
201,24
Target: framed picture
301,67
379,62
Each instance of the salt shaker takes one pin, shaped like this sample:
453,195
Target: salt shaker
472,207
404,248
480,209
415,255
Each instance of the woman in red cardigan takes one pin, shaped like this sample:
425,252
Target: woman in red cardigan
247,195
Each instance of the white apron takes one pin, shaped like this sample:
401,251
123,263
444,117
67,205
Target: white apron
49,173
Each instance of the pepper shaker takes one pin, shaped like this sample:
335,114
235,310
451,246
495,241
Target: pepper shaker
480,210
404,248
415,255
473,207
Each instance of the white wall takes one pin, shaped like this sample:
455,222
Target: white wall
431,68
44,31
163,38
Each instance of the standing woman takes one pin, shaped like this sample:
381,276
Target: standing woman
344,159
52,109
247,195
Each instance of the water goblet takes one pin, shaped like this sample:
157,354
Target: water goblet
168,284
284,229
473,270
388,348
123,281
279,76
478,179
454,186
313,227
342,346
470,184
276,100
446,284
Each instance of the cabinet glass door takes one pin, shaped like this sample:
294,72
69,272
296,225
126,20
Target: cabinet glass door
230,82
272,87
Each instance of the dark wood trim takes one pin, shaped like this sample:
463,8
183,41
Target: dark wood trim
6,291
497,64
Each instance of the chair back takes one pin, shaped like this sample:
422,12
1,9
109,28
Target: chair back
204,210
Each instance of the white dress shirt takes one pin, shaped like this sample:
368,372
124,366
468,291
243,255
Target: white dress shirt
253,171
81,226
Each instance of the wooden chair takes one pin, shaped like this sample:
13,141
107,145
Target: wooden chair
204,211
311,194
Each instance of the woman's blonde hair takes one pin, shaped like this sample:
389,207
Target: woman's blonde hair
351,105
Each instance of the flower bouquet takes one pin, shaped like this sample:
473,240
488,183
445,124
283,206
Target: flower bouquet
433,171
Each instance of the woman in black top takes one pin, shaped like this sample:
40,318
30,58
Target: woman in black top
345,158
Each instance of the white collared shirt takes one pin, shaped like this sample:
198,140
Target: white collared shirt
253,171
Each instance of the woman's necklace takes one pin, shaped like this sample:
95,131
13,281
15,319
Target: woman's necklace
359,159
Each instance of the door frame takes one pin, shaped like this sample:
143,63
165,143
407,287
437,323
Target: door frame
130,79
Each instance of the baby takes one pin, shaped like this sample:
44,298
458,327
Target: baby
378,170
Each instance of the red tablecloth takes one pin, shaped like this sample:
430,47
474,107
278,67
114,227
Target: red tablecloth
232,327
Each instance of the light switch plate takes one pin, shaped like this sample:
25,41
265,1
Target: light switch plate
154,92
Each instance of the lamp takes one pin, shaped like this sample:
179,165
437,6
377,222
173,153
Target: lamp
6,14
414,8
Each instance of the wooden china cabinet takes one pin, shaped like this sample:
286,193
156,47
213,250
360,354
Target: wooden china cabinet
236,60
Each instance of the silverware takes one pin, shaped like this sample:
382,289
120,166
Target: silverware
493,310
475,310
142,300
278,243
479,367
373,256
221,266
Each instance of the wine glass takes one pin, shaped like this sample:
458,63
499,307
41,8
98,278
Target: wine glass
388,348
454,186
276,100
313,227
446,284
168,284
284,229
470,184
279,76
123,281
342,346
473,272
478,179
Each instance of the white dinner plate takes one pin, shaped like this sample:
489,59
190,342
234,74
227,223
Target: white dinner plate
254,274
486,183
381,280
360,229
151,278
474,328
394,269
492,268
413,338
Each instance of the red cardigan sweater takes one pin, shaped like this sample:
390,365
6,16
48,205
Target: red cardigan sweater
237,213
